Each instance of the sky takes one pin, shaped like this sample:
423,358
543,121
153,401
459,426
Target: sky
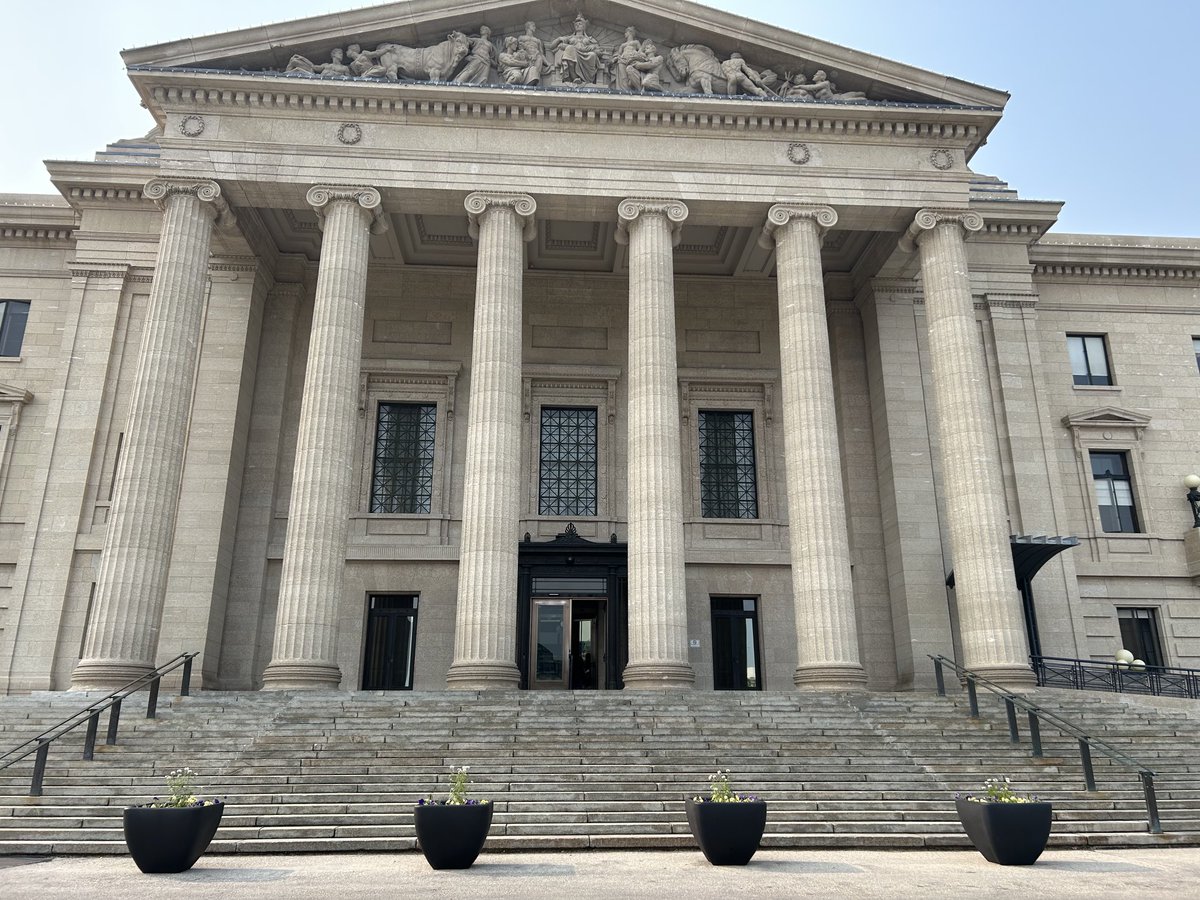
1105,108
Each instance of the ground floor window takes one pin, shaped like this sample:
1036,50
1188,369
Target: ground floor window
736,665
391,642
1139,634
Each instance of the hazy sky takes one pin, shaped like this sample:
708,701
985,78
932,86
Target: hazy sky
1104,112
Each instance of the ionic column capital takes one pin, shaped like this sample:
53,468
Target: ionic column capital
480,203
321,197
206,191
781,215
928,219
629,211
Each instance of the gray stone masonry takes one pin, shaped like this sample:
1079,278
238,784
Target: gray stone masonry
485,640
305,650
122,635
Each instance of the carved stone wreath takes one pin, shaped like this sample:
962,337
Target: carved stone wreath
942,159
350,133
191,126
800,154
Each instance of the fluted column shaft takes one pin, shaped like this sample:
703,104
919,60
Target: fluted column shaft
485,639
822,590
989,609
314,556
123,628
657,606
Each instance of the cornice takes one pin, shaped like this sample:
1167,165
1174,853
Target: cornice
1113,257
33,233
1066,272
210,90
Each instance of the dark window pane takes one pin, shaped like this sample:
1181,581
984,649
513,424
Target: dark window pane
1139,634
391,643
728,482
1196,350
403,477
735,644
567,467
13,315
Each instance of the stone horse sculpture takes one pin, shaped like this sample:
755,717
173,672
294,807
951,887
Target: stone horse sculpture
436,63
696,66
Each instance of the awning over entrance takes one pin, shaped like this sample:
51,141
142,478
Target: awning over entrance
1030,552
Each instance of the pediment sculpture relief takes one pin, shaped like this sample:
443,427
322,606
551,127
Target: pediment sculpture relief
586,57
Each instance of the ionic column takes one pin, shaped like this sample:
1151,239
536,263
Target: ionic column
314,555
989,608
658,646
123,628
485,636
822,590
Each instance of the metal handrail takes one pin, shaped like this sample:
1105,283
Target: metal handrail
1036,716
1098,675
91,714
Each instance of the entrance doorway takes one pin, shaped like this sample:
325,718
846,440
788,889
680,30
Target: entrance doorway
571,628
569,644
391,642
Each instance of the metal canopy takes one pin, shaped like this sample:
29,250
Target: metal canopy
1030,552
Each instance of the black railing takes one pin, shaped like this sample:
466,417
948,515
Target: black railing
1037,716
40,745
1093,675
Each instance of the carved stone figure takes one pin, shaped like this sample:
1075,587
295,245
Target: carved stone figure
480,59
577,56
365,63
515,65
740,78
645,72
533,48
627,52
824,89
797,88
436,63
335,67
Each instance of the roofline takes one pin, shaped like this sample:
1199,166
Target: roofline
685,13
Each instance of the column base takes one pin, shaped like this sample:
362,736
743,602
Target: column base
662,676
835,677
107,674
483,676
1009,676
301,676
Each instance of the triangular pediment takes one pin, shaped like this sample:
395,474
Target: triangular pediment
1107,417
680,48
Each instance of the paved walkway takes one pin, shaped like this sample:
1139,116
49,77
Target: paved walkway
917,875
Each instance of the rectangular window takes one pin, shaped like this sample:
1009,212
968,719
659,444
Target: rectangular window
728,483
402,481
1196,350
13,316
1114,492
1139,634
1089,359
567,462
735,644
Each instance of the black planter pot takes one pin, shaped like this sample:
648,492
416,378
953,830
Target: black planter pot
170,840
728,833
1009,834
452,836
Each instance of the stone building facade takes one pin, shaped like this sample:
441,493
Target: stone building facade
619,347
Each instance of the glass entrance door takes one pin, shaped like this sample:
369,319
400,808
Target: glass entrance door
568,644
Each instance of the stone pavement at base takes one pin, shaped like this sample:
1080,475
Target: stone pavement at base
1095,874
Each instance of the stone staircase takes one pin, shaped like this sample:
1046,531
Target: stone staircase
341,771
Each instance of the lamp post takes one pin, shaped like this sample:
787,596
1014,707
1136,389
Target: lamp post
1192,483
